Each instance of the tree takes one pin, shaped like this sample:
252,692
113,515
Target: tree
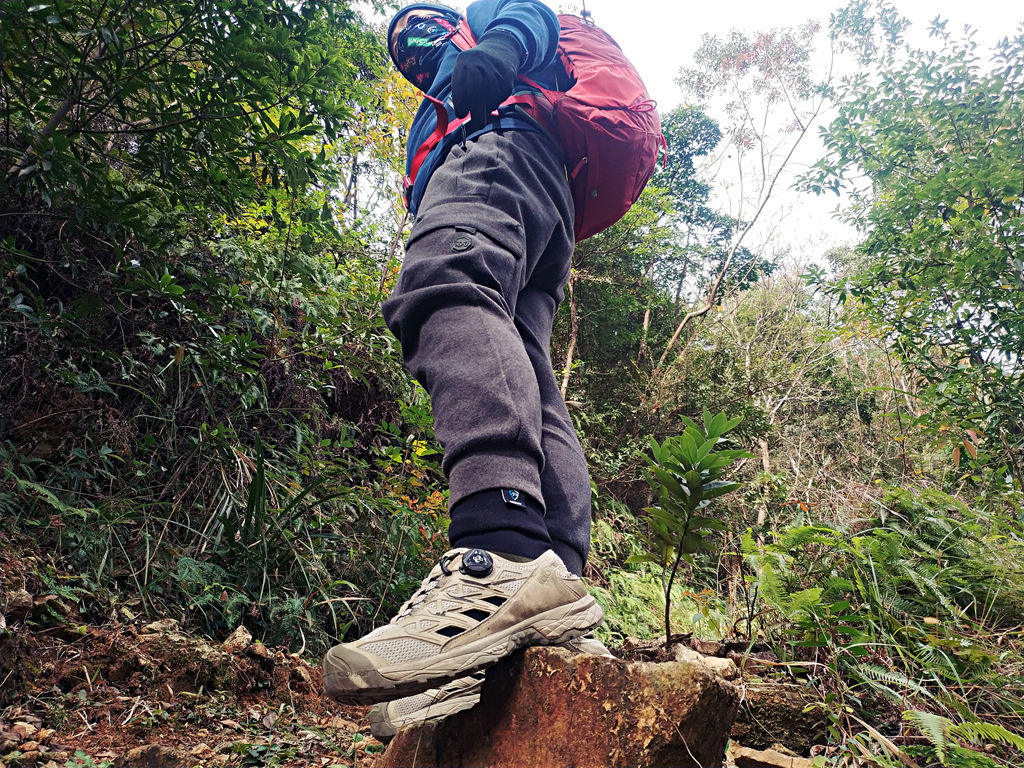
205,101
630,283
939,137
197,388
772,100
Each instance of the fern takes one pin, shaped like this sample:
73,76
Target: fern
927,585
982,733
800,536
935,727
872,674
941,732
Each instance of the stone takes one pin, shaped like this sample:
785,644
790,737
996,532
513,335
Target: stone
24,731
707,647
160,627
303,678
744,757
753,663
341,724
19,604
238,640
773,713
724,667
260,651
154,756
202,752
548,708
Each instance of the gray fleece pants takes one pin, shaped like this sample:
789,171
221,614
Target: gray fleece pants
483,274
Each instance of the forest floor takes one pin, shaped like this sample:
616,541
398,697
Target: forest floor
121,694
86,683
144,694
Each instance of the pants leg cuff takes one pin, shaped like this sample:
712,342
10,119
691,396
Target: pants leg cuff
479,472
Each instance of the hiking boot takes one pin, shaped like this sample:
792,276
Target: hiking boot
473,609
460,694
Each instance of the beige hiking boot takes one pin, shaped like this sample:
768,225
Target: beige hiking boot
456,696
473,609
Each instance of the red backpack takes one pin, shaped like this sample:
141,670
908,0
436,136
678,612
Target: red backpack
606,124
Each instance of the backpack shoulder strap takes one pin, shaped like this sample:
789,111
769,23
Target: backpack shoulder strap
464,37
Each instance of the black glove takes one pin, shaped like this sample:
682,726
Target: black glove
484,76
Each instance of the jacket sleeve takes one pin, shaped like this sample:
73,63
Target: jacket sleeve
531,22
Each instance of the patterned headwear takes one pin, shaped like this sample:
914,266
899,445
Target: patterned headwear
417,46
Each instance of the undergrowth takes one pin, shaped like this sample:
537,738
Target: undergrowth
907,625
224,431
632,593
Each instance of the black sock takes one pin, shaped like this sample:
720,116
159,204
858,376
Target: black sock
499,520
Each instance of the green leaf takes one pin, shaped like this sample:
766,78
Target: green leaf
692,542
717,488
711,523
670,482
644,558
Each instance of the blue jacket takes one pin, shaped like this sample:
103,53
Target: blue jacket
536,27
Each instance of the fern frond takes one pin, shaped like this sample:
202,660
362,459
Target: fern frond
872,673
979,733
927,585
935,727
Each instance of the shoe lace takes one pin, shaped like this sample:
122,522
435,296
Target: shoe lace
428,585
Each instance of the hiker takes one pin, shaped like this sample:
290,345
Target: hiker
484,269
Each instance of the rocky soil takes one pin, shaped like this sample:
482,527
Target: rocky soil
127,693
141,696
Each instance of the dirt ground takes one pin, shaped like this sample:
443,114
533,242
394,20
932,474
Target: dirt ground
148,695
151,696
77,691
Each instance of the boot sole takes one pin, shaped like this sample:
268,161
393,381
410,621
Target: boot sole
346,682
384,728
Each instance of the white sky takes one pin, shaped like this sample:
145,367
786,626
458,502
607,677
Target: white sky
660,36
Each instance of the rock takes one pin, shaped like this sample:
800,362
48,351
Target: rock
744,757
724,667
753,662
19,604
202,752
260,651
154,756
707,647
303,678
238,640
773,713
159,627
56,604
23,731
341,724
546,708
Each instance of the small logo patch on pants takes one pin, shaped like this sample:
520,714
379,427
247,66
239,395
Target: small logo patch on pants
513,498
461,243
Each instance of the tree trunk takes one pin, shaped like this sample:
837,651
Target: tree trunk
574,328
766,468
647,314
